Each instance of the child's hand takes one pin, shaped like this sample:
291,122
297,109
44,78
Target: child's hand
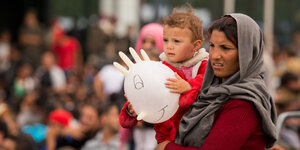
178,85
130,109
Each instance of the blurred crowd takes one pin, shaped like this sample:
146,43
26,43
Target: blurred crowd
51,98
286,85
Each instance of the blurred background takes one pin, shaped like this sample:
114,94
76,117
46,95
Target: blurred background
77,16
58,87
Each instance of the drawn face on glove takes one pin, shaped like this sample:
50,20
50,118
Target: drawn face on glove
145,89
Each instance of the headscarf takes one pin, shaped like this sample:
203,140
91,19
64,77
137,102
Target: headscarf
152,29
246,84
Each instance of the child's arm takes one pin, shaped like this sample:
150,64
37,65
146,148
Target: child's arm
178,85
189,97
188,89
165,131
127,118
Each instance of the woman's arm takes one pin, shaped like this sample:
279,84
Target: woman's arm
234,123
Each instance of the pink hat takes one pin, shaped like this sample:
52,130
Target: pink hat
153,29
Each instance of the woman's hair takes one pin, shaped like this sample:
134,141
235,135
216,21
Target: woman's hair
227,25
186,19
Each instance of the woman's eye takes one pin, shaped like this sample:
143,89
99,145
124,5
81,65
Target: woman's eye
225,47
153,43
211,45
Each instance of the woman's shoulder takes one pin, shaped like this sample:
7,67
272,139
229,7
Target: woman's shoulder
238,105
238,102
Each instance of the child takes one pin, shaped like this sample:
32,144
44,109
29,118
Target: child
183,36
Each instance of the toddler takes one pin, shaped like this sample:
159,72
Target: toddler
182,40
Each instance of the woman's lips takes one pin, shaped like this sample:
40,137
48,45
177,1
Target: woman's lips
217,65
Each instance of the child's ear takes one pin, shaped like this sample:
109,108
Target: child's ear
197,45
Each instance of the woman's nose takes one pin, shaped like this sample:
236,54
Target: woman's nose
215,54
148,45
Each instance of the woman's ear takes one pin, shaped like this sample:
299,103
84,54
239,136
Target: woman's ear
197,45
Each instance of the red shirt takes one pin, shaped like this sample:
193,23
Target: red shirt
167,130
67,50
237,126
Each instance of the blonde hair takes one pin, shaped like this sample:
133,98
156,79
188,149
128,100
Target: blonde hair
186,19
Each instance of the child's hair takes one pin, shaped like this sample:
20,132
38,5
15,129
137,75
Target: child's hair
186,19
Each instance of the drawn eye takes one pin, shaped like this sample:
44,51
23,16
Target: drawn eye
138,82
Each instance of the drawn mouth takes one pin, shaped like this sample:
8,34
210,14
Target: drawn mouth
163,112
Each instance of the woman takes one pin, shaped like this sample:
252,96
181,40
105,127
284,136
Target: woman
151,40
150,36
233,109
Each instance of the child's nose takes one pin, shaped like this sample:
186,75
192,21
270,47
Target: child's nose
170,45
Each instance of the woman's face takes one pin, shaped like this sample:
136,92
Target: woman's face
223,55
148,42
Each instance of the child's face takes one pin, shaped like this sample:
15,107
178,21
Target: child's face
178,44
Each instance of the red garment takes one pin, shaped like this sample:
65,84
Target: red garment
168,129
66,50
237,126
126,121
60,116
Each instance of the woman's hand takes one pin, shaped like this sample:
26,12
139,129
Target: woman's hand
178,85
276,147
162,145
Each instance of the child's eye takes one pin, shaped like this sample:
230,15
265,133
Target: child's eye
165,40
176,41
